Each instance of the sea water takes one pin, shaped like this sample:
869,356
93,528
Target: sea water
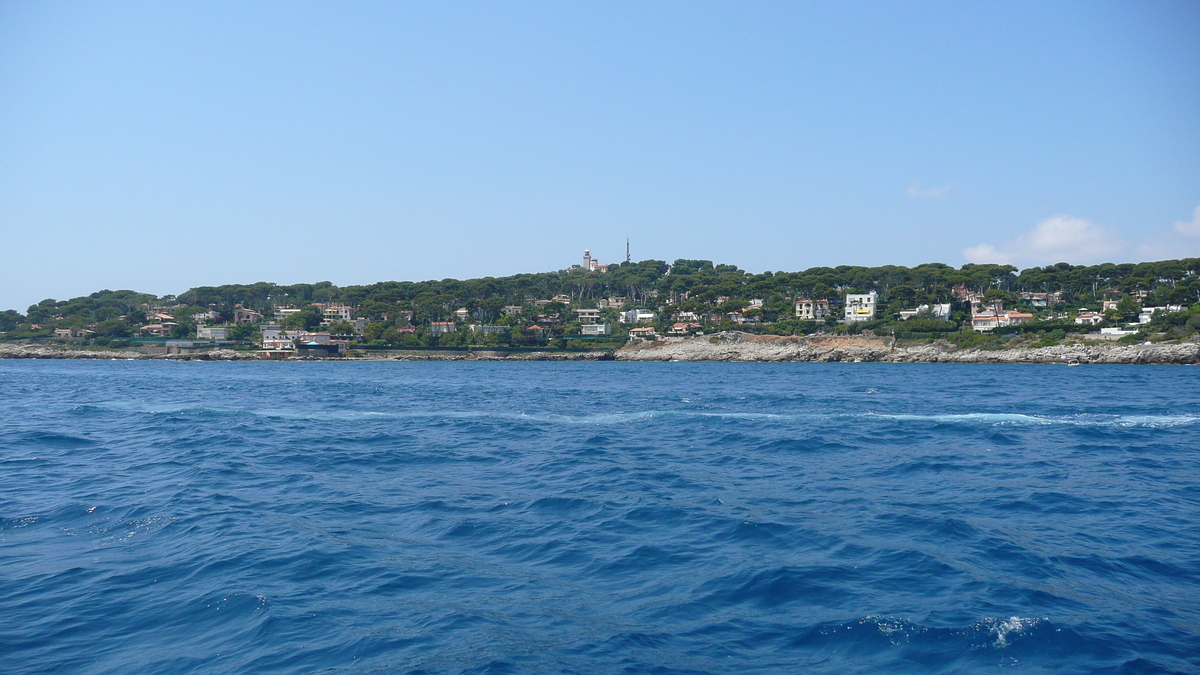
160,517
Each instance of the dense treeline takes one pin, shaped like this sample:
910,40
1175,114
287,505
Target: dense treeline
697,285
686,285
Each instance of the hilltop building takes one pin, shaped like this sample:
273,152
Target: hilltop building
591,264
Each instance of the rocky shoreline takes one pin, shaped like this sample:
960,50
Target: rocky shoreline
30,351
26,351
734,346
730,346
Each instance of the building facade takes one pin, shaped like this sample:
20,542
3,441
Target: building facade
811,310
860,306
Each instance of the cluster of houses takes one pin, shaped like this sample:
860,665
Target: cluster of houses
1088,317
279,342
339,324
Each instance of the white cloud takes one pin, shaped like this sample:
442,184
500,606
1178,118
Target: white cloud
1078,241
942,192
1061,238
1191,229
1181,241
986,253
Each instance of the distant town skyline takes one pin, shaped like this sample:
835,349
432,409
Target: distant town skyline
161,147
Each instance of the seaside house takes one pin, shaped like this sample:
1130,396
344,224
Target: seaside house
1040,300
1014,318
939,311
646,333
441,327
212,332
462,314
1147,313
587,315
489,330
243,315
511,310
277,349
318,349
157,329
683,328
637,316
1088,318
860,306
332,314
811,310
278,343
205,317
595,329
274,334
988,319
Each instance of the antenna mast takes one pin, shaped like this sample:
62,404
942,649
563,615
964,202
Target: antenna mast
627,258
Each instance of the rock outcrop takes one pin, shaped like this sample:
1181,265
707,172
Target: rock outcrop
28,351
733,346
23,351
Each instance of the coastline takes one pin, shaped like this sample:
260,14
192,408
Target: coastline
728,346
733,346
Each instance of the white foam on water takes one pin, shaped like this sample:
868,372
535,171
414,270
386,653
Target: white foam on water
619,418
1014,625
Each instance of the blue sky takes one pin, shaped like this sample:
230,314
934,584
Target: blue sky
160,146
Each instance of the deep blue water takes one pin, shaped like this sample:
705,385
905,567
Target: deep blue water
598,518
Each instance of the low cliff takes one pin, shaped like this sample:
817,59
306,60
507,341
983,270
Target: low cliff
732,346
28,351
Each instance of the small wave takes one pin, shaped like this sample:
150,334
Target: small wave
623,418
988,634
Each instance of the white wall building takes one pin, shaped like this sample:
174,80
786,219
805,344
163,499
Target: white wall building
941,311
337,314
1147,313
595,329
637,316
860,306
212,332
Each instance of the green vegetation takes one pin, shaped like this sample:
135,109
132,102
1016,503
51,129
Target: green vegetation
539,309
